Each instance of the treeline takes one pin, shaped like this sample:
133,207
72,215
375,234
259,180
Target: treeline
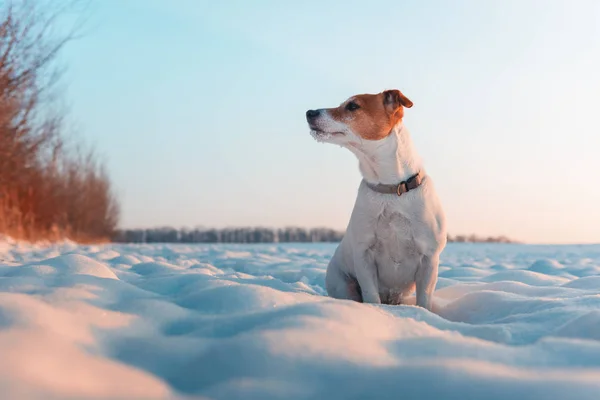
227,235
49,189
479,239
255,235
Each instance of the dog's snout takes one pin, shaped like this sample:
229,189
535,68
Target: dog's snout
312,114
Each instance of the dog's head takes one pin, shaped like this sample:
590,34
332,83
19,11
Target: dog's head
361,117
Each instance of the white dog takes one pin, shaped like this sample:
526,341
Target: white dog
397,229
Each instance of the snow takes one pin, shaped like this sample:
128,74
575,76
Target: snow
253,322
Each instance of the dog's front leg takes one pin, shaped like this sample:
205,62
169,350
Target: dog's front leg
366,275
426,279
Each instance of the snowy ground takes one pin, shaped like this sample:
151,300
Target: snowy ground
252,322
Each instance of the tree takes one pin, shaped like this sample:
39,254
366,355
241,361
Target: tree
47,189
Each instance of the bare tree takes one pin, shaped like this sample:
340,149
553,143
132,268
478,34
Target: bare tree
46,190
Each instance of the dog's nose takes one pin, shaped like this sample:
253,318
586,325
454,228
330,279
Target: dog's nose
312,114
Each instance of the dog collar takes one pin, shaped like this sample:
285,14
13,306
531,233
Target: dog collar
410,184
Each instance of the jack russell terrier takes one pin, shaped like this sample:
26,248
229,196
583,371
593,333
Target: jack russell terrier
397,229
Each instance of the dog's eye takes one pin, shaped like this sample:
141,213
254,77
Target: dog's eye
352,106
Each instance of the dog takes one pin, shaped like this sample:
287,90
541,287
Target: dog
397,229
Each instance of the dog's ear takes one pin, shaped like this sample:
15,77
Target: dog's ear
392,99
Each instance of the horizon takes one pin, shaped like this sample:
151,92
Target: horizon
451,235
201,122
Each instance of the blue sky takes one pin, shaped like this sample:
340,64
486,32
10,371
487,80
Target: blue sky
198,108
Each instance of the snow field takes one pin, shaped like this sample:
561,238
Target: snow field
253,322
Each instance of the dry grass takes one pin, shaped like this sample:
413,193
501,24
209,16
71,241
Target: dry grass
47,192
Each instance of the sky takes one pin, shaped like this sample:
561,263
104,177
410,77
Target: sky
198,107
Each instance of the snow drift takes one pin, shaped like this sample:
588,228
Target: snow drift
253,322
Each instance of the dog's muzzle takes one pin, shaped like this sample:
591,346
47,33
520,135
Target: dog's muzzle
311,115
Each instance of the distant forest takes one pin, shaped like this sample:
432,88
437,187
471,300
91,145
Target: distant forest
257,235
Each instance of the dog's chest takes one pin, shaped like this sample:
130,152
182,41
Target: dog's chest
398,246
395,235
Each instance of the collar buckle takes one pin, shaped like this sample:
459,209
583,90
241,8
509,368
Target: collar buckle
402,188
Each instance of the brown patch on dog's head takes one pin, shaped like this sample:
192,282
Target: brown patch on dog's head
372,116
